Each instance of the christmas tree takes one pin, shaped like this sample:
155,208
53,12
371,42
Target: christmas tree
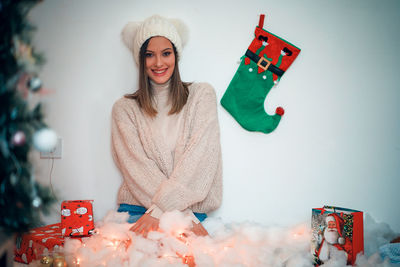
22,198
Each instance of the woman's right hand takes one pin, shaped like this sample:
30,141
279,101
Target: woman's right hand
145,224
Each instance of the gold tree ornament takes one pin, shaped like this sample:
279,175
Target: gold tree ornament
59,261
46,261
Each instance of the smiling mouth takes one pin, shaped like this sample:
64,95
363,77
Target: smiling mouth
159,72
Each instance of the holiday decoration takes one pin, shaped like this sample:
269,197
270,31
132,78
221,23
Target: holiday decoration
46,261
22,199
23,84
18,138
228,244
59,261
44,243
35,84
45,140
336,230
265,61
37,242
27,83
77,218
52,259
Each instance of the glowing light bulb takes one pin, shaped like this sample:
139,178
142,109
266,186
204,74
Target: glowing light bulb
185,258
181,234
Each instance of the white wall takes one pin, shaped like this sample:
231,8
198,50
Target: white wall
338,142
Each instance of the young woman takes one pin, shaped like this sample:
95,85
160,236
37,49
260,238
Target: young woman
165,136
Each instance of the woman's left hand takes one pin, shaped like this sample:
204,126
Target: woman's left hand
145,224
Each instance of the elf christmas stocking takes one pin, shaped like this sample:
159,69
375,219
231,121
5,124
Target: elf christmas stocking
265,61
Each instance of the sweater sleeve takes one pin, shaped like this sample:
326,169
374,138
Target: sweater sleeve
141,174
197,168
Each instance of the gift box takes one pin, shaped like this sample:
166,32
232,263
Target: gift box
336,230
38,241
77,218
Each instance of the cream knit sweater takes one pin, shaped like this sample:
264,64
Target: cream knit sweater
152,175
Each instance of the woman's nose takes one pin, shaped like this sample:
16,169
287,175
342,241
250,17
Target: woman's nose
158,61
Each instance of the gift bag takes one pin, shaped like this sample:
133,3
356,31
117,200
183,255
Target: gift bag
336,231
77,218
263,65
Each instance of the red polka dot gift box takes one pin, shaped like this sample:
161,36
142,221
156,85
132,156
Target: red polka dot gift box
77,218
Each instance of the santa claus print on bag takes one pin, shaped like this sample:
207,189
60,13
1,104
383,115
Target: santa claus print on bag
332,239
336,233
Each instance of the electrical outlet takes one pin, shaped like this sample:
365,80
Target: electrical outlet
56,153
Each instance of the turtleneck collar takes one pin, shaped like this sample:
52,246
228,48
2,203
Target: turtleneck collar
160,89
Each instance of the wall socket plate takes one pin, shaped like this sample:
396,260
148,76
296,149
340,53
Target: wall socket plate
56,153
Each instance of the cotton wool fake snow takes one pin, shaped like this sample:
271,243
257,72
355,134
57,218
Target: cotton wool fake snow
229,244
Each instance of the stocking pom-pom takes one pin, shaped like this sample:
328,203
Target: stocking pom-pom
280,111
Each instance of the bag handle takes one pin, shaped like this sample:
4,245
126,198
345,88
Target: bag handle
261,21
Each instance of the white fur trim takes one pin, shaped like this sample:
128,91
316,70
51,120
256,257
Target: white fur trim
324,252
330,219
134,34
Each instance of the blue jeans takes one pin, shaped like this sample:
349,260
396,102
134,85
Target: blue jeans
135,212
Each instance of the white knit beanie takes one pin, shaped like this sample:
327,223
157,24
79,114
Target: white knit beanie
134,34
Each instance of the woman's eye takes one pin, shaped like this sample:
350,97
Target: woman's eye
148,54
167,53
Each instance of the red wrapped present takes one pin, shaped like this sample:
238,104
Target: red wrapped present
38,241
336,230
77,218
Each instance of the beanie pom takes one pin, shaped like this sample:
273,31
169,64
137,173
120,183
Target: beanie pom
341,241
182,30
128,34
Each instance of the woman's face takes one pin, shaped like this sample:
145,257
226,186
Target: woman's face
159,59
